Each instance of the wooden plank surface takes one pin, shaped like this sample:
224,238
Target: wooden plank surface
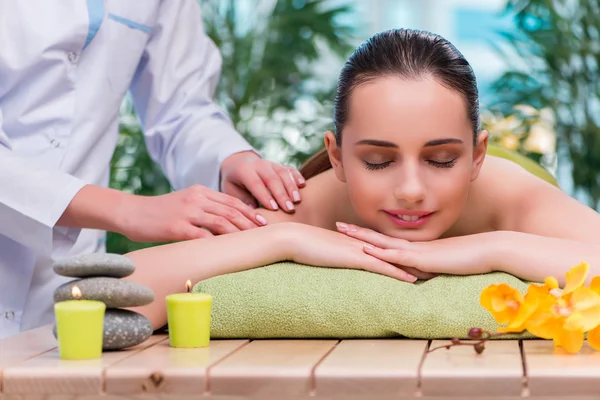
295,369
460,371
370,367
48,374
162,369
269,367
553,372
18,348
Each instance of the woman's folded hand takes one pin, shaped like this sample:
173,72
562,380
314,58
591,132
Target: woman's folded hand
315,246
463,255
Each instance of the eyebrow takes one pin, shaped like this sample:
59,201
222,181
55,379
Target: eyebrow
438,142
384,143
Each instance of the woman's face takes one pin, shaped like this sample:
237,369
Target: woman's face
407,156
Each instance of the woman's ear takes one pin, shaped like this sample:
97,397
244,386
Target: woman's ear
479,153
335,155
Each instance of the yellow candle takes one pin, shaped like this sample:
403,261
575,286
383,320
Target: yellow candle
79,327
188,316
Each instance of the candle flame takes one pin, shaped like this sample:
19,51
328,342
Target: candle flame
188,286
76,292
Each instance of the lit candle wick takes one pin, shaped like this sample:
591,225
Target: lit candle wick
75,292
188,286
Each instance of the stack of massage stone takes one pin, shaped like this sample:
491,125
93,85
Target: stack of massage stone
99,278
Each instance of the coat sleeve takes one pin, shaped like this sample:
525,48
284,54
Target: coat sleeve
172,91
32,197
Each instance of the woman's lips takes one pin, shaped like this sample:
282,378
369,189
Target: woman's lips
409,219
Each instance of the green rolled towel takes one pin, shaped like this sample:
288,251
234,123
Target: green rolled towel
288,300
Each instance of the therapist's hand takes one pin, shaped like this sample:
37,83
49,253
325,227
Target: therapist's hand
250,178
183,214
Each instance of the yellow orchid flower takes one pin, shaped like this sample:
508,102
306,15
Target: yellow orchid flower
576,277
595,284
537,297
568,318
502,301
571,341
575,311
546,311
593,336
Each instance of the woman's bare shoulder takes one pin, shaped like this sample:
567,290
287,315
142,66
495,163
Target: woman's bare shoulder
486,205
525,203
500,184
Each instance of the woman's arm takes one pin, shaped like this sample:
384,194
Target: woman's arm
165,269
527,256
534,257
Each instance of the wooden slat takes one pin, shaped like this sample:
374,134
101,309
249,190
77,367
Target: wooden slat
167,370
18,348
269,367
26,345
459,371
553,372
375,367
48,374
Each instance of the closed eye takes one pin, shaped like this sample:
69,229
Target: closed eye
445,164
373,167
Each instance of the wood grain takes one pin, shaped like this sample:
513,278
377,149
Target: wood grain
162,369
48,374
460,371
553,372
269,367
370,367
18,348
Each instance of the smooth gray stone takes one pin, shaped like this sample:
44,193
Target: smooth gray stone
95,264
113,292
123,329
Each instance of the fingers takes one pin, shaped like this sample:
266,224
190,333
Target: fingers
234,220
193,232
281,185
368,235
419,274
255,185
405,258
291,186
240,193
233,210
199,233
216,224
297,176
273,185
381,267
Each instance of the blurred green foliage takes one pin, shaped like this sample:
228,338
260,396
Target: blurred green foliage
270,87
556,66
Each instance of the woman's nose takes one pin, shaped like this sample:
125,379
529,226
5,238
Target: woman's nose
410,186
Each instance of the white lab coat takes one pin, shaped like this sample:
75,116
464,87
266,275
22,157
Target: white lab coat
65,66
